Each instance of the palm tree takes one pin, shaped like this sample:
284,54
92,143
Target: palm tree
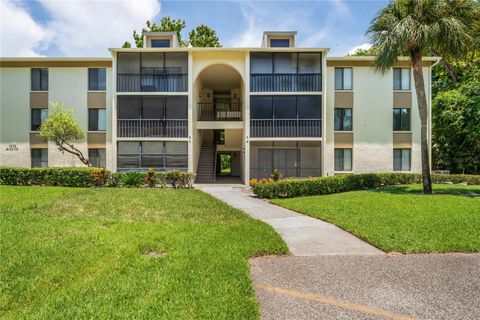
410,27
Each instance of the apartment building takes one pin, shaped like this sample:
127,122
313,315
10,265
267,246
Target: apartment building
252,110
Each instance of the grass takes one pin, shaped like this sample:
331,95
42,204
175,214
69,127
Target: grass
70,253
400,218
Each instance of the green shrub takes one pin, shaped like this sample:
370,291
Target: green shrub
178,179
276,175
132,179
113,179
289,188
64,176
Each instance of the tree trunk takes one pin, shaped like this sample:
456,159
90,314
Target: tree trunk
416,57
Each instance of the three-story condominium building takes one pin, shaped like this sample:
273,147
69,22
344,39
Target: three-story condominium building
259,109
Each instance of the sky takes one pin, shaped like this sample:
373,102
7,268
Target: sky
70,28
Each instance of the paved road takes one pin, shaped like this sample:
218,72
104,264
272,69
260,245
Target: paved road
305,236
435,286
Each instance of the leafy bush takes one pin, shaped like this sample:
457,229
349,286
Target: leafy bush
132,179
99,177
276,175
64,176
289,188
113,179
180,179
150,178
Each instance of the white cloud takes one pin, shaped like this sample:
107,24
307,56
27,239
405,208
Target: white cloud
73,28
258,20
87,28
20,35
364,46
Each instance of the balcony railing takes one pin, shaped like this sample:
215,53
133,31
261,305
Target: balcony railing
220,110
152,128
285,128
152,82
284,82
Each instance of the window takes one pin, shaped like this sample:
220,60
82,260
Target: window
286,107
401,119
343,119
401,159
97,120
152,154
39,78
38,118
343,78
152,107
39,157
261,62
163,43
97,157
401,78
279,43
97,79
343,159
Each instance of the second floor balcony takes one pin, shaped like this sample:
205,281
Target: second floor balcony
220,110
286,128
152,128
285,82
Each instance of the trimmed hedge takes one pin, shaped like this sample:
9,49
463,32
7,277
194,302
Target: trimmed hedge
64,176
88,177
290,188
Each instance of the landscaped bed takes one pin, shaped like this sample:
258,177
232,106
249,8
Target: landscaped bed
69,253
400,218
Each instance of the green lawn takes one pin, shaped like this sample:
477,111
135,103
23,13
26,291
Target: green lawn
401,219
70,253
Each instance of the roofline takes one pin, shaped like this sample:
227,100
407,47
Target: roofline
244,49
33,59
372,58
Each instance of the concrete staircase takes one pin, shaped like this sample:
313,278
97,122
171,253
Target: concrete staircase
206,164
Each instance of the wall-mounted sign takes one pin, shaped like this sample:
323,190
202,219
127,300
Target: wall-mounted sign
12,147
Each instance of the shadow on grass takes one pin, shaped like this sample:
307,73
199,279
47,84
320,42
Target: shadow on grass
454,190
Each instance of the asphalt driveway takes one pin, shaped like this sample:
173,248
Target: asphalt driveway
434,286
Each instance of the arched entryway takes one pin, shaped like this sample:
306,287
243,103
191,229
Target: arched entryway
218,109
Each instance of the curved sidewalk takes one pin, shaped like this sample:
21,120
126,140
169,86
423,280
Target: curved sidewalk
305,236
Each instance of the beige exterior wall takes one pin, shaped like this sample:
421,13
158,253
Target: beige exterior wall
68,85
373,137
15,117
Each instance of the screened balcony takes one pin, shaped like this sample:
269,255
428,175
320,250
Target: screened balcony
292,158
286,116
159,155
285,72
152,117
152,72
220,110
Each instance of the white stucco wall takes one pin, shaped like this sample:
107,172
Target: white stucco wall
15,117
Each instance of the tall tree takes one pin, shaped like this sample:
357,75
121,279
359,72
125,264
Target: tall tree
167,24
62,129
203,36
413,26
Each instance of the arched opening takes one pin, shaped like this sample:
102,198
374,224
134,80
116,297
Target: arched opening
219,91
217,104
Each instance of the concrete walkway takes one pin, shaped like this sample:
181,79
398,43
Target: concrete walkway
305,236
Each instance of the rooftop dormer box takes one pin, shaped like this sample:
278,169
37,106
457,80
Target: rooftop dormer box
279,39
160,40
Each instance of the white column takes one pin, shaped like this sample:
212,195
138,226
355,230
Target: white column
246,120
190,112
